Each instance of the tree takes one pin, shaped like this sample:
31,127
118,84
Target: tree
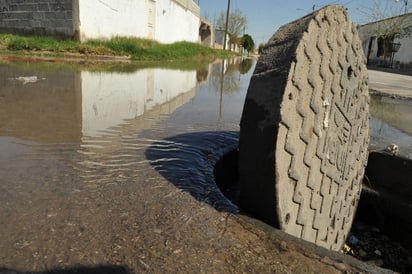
236,25
391,23
248,43
389,15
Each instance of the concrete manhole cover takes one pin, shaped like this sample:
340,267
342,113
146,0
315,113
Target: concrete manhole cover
305,129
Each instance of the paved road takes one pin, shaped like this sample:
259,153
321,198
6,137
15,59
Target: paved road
390,83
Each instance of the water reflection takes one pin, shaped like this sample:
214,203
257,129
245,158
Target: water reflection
396,112
391,123
46,108
87,155
100,123
83,153
67,105
89,128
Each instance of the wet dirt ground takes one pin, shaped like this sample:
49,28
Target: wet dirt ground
83,191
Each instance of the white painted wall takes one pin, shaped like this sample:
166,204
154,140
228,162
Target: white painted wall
103,19
404,55
110,98
175,23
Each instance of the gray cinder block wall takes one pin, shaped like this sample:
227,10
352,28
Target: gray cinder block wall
40,17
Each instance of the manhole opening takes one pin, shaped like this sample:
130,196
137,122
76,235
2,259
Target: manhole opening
378,235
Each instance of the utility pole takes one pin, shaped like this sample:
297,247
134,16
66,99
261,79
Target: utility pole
227,23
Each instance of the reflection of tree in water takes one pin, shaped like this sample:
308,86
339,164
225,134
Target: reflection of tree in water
202,74
226,75
242,66
245,66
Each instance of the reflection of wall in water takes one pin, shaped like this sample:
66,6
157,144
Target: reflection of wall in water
384,134
46,110
64,105
110,98
397,113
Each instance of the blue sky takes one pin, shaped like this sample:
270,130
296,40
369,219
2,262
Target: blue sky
266,16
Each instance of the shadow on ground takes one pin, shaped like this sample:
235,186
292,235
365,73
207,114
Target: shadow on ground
188,162
204,164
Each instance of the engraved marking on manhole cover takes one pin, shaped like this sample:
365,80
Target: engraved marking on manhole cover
305,129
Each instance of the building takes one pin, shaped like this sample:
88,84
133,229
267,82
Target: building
393,52
166,21
206,33
220,38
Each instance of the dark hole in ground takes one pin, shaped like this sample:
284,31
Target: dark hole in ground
381,231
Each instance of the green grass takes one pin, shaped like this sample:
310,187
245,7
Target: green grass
15,42
137,49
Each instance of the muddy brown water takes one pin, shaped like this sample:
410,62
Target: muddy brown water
113,172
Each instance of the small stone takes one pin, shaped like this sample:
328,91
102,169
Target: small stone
178,251
22,244
157,231
283,246
378,252
346,249
145,265
124,214
393,149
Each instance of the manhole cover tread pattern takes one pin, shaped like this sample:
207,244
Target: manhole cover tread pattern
323,131
324,194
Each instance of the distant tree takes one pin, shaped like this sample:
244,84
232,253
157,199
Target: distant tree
206,16
248,43
236,25
397,27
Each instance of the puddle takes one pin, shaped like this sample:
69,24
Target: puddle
391,123
81,153
115,167
188,162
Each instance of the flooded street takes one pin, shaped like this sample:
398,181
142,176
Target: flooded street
76,185
114,169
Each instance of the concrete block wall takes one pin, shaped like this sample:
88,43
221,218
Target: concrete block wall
41,17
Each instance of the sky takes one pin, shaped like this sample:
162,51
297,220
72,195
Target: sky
266,16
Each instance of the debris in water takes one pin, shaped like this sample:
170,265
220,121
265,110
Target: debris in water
29,79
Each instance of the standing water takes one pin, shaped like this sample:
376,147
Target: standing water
95,166
82,150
